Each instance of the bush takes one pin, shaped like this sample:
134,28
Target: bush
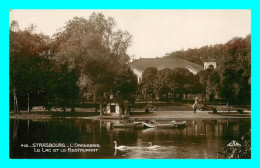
214,110
241,152
240,111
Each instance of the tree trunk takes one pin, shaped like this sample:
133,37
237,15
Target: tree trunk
17,110
73,106
64,107
128,111
120,111
28,102
95,99
95,106
17,106
14,104
48,104
101,107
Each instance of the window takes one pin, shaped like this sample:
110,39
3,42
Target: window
211,67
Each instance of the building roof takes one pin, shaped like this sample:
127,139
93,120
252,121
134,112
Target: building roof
210,60
170,63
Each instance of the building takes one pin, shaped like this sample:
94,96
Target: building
210,63
112,107
139,66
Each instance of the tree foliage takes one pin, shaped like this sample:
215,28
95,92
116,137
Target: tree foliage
148,81
232,78
96,50
167,81
87,55
209,79
28,62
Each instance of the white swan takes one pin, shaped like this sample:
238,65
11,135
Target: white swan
120,147
154,147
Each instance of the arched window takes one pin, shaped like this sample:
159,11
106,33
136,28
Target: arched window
211,67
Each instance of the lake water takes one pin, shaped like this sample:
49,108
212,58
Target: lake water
199,139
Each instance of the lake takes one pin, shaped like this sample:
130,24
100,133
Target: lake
82,138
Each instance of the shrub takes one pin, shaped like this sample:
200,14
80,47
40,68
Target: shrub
242,152
214,110
240,111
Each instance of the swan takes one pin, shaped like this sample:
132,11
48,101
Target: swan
154,147
120,147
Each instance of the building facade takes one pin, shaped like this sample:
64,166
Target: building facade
139,66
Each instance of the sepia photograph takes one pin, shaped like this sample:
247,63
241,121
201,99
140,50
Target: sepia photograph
129,84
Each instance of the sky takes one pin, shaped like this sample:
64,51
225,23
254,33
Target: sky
155,32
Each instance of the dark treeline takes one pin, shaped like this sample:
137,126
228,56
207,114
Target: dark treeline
220,52
86,56
167,83
231,79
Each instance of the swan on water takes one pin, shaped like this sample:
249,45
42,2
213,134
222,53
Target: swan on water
120,147
154,146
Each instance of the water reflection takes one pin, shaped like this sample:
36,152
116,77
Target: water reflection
199,139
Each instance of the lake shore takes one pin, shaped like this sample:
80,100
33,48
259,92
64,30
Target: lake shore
137,115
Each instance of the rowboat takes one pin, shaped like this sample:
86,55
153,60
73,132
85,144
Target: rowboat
124,125
128,125
181,124
167,125
172,124
139,126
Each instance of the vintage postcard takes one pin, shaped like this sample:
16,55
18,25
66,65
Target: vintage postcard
130,84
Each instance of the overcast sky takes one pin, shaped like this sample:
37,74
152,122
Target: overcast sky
155,32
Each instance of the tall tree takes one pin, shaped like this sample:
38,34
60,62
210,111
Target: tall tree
209,78
125,88
66,88
148,82
28,50
164,82
235,70
95,49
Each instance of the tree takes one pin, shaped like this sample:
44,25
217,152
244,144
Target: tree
148,81
234,67
66,88
184,80
235,70
28,51
164,83
209,79
124,89
95,50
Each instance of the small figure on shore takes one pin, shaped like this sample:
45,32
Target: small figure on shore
195,104
194,107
